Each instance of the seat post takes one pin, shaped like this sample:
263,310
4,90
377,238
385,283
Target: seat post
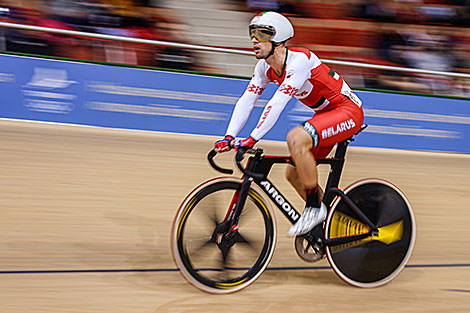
336,170
341,148
337,167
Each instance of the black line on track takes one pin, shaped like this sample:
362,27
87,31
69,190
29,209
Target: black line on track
288,268
457,290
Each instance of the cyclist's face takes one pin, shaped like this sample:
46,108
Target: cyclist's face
261,48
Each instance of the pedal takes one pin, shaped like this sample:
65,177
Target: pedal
308,248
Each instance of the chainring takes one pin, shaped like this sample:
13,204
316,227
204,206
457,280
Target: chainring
308,249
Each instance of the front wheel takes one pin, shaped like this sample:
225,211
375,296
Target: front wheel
208,258
375,260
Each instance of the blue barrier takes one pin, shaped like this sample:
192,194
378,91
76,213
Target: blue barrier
129,98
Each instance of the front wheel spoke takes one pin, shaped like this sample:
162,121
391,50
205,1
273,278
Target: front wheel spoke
242,239
200,245
223,274
211,212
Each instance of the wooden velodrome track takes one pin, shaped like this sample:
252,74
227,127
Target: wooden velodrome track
86,215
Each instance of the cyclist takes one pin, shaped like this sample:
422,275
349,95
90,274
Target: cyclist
299,73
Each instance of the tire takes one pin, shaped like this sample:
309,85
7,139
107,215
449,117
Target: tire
194,247
377,260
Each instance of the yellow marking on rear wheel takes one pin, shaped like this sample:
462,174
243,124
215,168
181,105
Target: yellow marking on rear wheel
343,225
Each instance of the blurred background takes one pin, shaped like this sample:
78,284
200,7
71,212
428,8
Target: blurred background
423,34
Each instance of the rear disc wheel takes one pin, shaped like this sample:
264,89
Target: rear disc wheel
375,260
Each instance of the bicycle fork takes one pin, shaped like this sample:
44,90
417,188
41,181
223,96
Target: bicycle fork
232,217
226,233
238,202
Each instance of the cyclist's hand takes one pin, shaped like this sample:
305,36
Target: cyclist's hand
246,144
223,145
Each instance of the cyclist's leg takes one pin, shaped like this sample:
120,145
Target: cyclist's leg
294,179
301,140
300,143
319,135
315,139
305,145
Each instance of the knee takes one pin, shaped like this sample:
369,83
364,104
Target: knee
299,141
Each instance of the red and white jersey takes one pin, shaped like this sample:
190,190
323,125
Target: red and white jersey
304,76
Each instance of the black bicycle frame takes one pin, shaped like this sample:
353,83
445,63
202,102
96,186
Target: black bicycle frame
260,166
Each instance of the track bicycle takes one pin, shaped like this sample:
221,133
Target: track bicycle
224,233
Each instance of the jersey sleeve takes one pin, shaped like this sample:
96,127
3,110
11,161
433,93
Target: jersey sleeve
247,101
297,73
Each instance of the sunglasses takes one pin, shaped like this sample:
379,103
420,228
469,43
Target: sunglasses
262,33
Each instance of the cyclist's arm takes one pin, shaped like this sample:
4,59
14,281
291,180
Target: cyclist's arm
300,72
247,101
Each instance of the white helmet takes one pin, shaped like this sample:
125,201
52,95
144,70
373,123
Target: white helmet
271,26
